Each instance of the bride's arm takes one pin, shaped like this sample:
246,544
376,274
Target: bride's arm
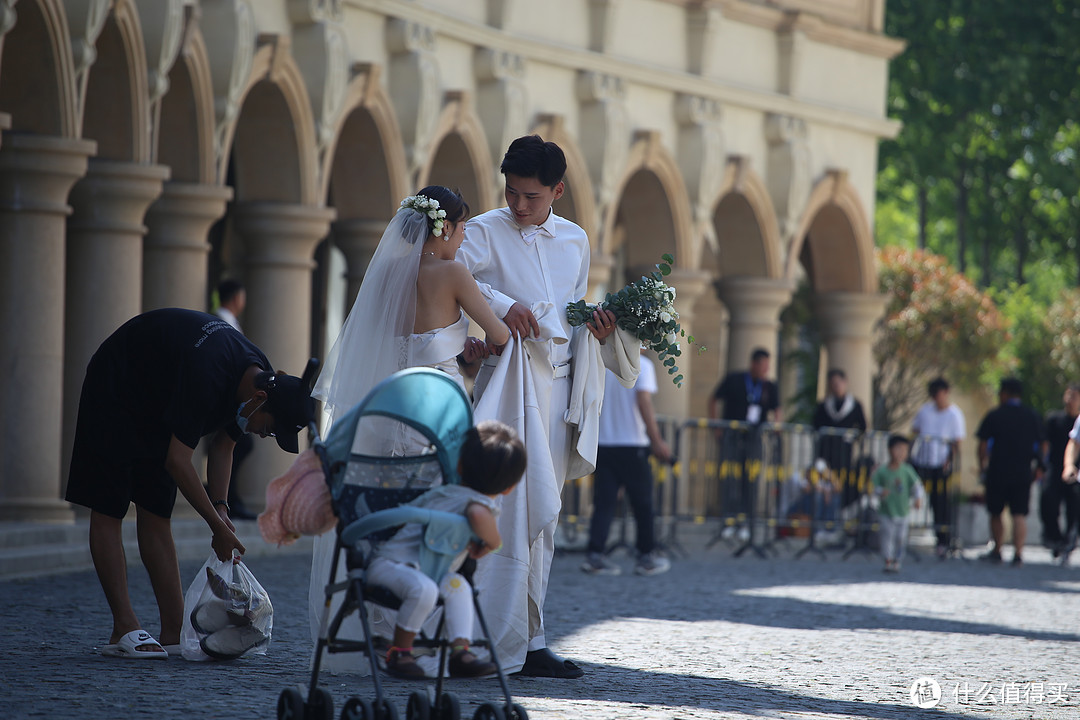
472,301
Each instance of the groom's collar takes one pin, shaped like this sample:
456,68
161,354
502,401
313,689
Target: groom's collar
529,233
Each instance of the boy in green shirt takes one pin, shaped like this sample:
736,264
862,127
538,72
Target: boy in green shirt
894,485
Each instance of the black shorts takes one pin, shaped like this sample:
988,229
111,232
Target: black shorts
104,476
1016,495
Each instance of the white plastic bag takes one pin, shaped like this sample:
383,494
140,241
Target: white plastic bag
227,613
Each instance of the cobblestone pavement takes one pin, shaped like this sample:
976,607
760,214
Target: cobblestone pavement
717,637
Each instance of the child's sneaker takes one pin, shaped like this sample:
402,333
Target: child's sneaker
652,564
597,564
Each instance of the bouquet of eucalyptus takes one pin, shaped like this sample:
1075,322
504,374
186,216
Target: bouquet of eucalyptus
646,309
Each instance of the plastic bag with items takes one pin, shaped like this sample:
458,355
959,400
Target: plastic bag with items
227,613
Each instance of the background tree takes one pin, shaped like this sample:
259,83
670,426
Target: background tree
936,323
985,167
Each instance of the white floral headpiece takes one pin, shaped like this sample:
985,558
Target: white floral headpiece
427,206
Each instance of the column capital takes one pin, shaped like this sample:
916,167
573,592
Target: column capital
37,172
689,284
281,234
358,238
113,196
751,297
182,207
849,314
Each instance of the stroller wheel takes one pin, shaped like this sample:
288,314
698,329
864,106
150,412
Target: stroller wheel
357,709
489,711
320,705
516,712
290,705
419,707
385,710
449,707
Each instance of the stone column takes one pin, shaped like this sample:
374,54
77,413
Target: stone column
36,175
847,325
754,305
279,242
104,266
670,399
710,350
175,250
600,282
357,239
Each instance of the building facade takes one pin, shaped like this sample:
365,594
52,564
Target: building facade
150,147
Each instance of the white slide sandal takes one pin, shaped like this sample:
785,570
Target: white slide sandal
134,646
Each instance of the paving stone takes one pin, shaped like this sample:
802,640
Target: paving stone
716,638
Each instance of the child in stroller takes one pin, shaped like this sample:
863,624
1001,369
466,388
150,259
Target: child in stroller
491,464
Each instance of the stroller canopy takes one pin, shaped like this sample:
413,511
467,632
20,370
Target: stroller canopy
427,400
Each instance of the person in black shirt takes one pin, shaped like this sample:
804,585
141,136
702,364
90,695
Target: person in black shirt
839,411
152,390
748,398
1010,436
1055,490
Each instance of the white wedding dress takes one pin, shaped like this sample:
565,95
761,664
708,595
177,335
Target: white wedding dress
439,348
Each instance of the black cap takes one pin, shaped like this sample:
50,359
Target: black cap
289,401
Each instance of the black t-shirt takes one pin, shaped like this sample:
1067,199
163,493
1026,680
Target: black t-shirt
1014,433
854,420
1058,426
167,372
835,449
738,392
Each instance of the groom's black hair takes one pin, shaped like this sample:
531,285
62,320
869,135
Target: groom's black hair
531,157
492,458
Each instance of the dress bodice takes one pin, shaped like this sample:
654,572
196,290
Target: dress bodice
438,348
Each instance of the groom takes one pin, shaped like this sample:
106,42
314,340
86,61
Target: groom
521,255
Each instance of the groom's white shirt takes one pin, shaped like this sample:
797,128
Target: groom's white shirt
536,263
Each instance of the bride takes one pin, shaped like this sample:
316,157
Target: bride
409,312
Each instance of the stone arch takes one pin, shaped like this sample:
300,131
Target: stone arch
834,243
117,109
460,157
747,234
653,201
275,113
366,172
186,124
38,90
578,203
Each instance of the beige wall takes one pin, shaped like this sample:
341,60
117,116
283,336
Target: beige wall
328,111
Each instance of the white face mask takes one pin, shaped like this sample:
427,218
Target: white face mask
241,421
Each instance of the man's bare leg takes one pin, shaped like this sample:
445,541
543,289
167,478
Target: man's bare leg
110,562
158,552
1019,535
997,531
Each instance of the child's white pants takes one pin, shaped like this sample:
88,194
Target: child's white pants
419,593
894,531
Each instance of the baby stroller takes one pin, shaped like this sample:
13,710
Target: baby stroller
425,410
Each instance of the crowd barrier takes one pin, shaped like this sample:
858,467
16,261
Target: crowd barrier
759,488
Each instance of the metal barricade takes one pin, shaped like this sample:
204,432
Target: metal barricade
769,487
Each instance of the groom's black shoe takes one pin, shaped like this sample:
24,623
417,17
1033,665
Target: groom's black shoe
544,663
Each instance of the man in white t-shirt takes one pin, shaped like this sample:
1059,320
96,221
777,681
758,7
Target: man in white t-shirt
939,427
628,433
